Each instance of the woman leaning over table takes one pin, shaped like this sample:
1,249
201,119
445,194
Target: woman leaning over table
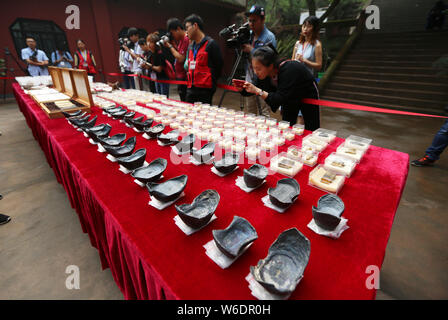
283,83
308,49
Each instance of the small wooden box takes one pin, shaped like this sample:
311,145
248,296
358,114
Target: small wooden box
73,83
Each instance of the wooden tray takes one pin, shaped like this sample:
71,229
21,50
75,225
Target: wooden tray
73,83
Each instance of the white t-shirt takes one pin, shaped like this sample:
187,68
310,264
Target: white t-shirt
136,64
308,51
125,61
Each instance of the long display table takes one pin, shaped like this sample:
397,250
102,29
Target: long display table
151,258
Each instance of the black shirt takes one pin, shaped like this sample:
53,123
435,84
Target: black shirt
158,59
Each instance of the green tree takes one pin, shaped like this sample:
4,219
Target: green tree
283,18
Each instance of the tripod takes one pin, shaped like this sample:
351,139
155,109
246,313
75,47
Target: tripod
25,71
239,56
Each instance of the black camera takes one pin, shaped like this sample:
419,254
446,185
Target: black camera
236,37
34,56
164,39
126,42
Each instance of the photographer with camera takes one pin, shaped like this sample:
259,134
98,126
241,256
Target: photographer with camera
147,84
61,58
36,59
204,62
135,48
156,63
259,36
125,61
178,45
283,83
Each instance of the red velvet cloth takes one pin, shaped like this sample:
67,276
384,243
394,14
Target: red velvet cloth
151,258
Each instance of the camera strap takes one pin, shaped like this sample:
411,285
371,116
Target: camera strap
196,49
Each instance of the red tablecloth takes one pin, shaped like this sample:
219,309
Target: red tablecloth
151,258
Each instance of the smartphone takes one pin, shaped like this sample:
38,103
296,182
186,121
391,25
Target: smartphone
238,83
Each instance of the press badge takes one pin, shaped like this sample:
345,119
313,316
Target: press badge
153,75
192,65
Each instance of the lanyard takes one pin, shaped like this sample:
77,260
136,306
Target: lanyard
195,51
84,55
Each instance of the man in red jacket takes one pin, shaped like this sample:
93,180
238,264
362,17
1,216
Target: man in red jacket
83,58
204,62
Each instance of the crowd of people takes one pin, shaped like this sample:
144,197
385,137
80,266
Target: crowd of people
271,83
198,61
38,61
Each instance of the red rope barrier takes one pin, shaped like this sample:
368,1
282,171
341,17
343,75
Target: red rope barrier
342,105
325,103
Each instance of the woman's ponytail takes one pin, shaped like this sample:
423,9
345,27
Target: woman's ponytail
267,55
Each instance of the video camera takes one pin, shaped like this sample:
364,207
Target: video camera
164,39
126,42
236,37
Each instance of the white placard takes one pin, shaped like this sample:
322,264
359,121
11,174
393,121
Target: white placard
162,144
101,148
197,163
187,229
124,170
261,293
141,184
162,205
111,158
177,152
267,202
240,183
216,255
220,174
335,234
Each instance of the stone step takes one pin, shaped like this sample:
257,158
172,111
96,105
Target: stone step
428,110
407,85
393,67
366,42
348,66
419,36
401,51
418,32
381,99
397,56
390,91
403,15
421,78
386,63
